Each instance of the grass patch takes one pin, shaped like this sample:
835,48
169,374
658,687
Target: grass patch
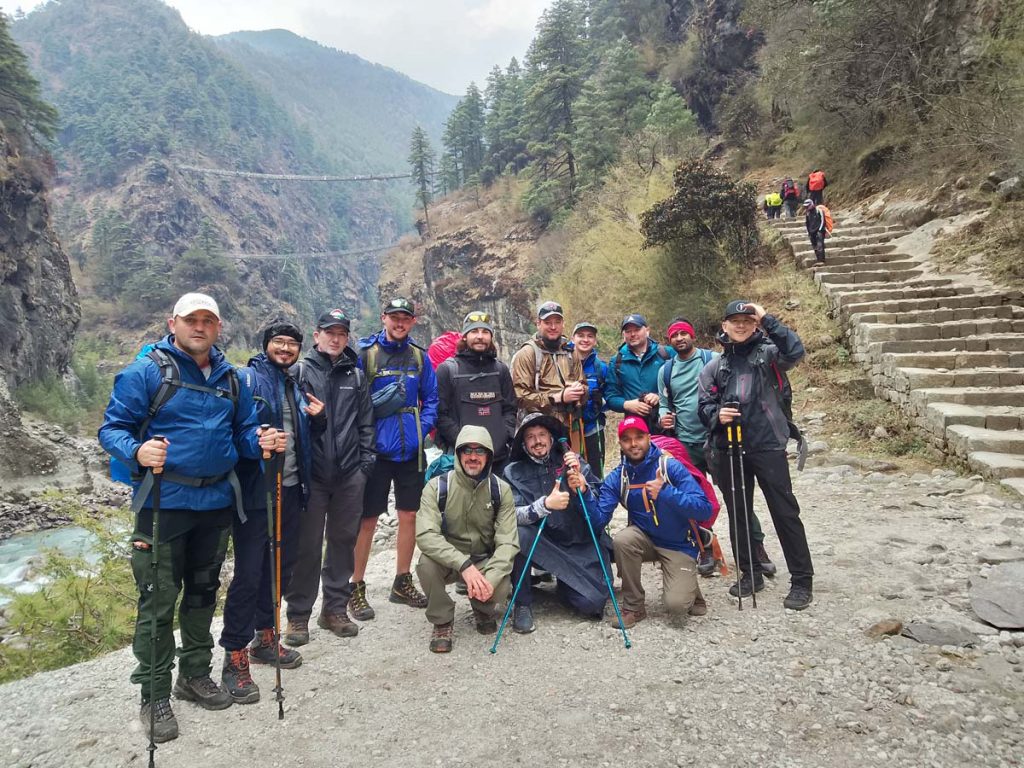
994,244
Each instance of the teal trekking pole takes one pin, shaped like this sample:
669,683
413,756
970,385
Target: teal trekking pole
515,593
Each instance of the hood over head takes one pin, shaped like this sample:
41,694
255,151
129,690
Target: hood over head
479,435
553,425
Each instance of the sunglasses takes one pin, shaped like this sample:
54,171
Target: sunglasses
479,451
478,317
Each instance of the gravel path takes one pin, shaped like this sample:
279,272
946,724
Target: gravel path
759,688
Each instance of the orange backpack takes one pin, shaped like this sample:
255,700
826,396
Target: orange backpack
826,214
816,181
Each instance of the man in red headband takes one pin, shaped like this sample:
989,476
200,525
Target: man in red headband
677,396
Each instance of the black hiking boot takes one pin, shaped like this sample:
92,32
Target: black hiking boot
203,691
798,598
297,633
706,563
236,678
761,555
486,624
745,590
441,637
165,724
261,651
522,620
404,591
357,605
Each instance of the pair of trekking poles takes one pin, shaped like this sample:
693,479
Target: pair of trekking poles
734,441
529,558
274,538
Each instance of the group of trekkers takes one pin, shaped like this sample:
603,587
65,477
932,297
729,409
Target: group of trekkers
294,457
817,216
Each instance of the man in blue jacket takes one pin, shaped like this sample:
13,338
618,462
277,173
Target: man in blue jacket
249,605
584,345
207,421
664,504
632,385
404,391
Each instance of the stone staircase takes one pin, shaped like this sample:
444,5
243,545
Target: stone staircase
949,351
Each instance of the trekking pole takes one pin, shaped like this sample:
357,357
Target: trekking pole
733,514
746,512
515,592
279,689
272,542
154,568
604,570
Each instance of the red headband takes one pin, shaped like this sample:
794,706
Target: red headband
682,325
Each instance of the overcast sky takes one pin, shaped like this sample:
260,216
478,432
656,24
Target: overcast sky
443,43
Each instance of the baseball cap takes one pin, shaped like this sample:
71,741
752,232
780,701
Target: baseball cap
808,203
738,307
549,308
477,320
633,422
331,318
399,305
634,319
584,326
193,302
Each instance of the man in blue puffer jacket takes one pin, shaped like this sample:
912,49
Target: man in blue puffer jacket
207,424
404,391
664,502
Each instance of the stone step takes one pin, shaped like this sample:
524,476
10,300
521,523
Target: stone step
1005,311
922,285
889,293
1014,485
963,440
826,275
865,333
897,384
903,265
996,466
799,227
851,241
885,255
1012,396
951,361
965,301
1001,418
802,249
1009,342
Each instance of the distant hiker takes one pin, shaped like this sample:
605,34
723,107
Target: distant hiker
545,477
249,606
343,459
584,344
207,419
404,392
790,193
466,531
632,385
815,186
475,387
664,503
548,378
814,219
773,205
678,392
759,349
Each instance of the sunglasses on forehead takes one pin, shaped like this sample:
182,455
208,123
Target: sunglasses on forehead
478,317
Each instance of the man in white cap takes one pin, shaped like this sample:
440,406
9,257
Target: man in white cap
181,413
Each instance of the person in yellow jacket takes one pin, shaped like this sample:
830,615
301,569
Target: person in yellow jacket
773,205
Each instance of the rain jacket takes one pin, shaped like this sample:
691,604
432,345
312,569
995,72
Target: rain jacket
596,371
534,388
474,534
666,521
400,436
639,376
474,388
206,434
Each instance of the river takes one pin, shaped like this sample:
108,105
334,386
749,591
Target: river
19,552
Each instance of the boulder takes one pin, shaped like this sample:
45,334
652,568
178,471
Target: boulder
962,182
998,598
939,633
1011,189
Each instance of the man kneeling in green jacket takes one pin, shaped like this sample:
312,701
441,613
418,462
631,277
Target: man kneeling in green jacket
466,531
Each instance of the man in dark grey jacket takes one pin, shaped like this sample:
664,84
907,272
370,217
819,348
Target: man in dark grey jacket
343,457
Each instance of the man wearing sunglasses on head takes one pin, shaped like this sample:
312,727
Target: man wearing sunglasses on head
475,388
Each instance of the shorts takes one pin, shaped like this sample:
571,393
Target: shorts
408,480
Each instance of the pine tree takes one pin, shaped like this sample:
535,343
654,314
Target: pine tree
464,134
421,158
22,110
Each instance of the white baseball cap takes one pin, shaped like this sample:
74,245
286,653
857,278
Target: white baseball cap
192,302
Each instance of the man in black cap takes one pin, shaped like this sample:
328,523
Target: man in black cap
475,388
746,387
632,384
343,458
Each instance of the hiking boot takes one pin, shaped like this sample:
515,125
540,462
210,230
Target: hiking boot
404,591
798,598
486,624
629,618
699,607
441,637
165,724
203,691
706,563
767,566
236,678
745,590
261,651
297,632
357,605
522,620
338,623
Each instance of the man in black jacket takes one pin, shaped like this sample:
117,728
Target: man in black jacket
474,388
343,457
746,385
814,220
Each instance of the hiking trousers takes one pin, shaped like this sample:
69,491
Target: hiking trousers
250,600
818,244
698,456
791,204
189,558
334,510
680,590
594,446
771,470
434,578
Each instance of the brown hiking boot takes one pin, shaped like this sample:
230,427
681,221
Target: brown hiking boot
699,607
338,623
236,678
297,633
441,637
261,651
486,624
404,591
629,618
357,605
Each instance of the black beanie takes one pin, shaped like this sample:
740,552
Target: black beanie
281,329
